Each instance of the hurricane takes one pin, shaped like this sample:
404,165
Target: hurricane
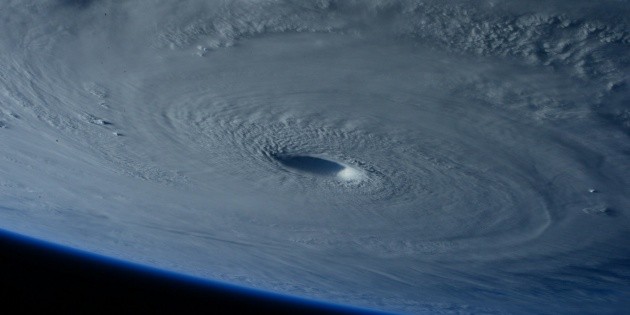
401,155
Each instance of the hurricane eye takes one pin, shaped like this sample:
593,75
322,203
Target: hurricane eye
311,164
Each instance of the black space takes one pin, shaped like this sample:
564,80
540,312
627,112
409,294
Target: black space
36,276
